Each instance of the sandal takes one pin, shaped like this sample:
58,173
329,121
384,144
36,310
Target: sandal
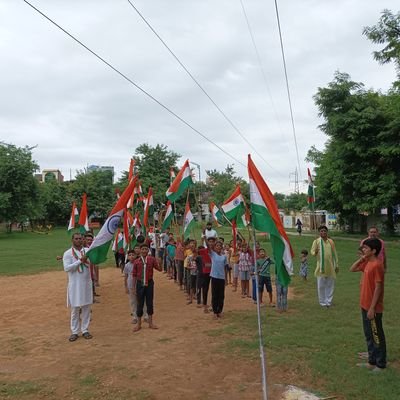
87,335
73,337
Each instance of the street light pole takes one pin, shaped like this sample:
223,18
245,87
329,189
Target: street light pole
199,203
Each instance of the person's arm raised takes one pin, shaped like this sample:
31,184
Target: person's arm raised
358,264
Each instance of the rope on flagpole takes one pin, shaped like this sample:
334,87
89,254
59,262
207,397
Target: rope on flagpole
260,337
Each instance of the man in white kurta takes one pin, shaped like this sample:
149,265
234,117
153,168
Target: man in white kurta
327,266
79,292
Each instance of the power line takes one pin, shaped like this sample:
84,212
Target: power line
134,84
260,64
199,85
287,87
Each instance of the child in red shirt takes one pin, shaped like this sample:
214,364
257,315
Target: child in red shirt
371,303
143,284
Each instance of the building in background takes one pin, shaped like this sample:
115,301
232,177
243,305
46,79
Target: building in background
48,175
101,168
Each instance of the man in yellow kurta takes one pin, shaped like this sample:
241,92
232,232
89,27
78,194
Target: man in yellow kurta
327,266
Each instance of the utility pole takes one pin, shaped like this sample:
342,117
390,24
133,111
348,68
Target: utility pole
295,181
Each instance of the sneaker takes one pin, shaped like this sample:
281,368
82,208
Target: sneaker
377,370
366,365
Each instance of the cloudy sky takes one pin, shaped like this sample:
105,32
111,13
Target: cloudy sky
56,95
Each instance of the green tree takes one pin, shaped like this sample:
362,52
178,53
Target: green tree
19,192
354,173
153,165
280,200
295,201
291,202
55,203
221,184
386,32
98,185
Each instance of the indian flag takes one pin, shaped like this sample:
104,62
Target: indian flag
83,217
243,219
216,214
265,218
126,231
169,214
311,192
148,207
234,206
130,177
138,191
172,174
97,252
74,218
188,221
130,172
115,242
118,242
182,181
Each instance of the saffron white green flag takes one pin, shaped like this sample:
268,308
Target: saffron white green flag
182,181
243,219
265,218
172,174
118,242
74,218
188,221
83,217
126,231
148,207
168,217
97,252
216,214
234,206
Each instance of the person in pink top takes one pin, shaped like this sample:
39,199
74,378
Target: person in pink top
373,233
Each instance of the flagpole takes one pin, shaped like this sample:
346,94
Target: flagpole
260,337
183,220
230,223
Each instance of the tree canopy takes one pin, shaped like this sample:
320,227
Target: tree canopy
98,185
386,32
220,185
19,193
359,169
153,165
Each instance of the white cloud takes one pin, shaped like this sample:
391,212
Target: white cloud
79,112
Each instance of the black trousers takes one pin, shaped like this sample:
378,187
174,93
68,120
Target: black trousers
375,338
203,285
179,268
217,295
145,294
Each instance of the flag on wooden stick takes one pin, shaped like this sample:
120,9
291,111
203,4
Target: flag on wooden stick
83,217
97,252
74,218
181,182
265,218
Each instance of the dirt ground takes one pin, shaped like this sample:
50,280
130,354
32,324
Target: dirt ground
178,361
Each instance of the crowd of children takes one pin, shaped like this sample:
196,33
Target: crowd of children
196,267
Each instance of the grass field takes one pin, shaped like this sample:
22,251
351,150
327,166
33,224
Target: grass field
317,347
